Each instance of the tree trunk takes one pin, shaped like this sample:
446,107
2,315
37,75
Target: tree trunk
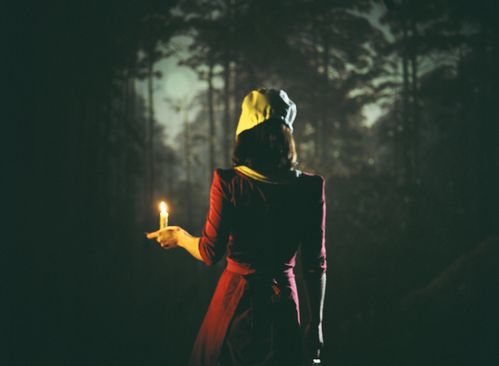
227,83
320,133
150,129
406,133
188,167
211,117
227,130
316,64
415,101
131,142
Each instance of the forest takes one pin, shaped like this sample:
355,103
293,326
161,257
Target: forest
412,195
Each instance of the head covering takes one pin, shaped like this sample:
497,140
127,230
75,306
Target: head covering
263,104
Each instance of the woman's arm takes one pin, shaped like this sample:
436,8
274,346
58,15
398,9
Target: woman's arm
210,247
173,236
316,291
213,242
191,244
314,265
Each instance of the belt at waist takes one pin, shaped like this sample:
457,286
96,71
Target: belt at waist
244,269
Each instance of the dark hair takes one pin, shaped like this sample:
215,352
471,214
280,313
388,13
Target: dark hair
268,148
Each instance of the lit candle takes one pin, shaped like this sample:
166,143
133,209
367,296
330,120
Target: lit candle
163,215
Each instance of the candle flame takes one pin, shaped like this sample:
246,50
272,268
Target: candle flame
163,207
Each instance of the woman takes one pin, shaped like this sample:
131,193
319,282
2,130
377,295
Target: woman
261,211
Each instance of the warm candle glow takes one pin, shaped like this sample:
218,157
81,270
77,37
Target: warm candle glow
163,207
163,215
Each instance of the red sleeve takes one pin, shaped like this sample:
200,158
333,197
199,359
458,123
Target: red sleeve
216,230
314,236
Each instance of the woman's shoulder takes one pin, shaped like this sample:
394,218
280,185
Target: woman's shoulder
225,175
315,184
311,178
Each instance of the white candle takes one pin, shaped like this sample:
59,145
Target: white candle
163,215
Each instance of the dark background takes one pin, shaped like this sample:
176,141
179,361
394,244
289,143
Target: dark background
412,200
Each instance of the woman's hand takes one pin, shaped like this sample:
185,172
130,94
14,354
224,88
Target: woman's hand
168,237
175,236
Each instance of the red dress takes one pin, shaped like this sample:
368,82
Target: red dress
253,317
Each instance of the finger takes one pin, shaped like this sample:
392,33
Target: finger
152,235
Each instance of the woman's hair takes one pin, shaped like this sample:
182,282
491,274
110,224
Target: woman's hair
268,148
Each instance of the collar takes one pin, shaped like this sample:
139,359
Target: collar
253,174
